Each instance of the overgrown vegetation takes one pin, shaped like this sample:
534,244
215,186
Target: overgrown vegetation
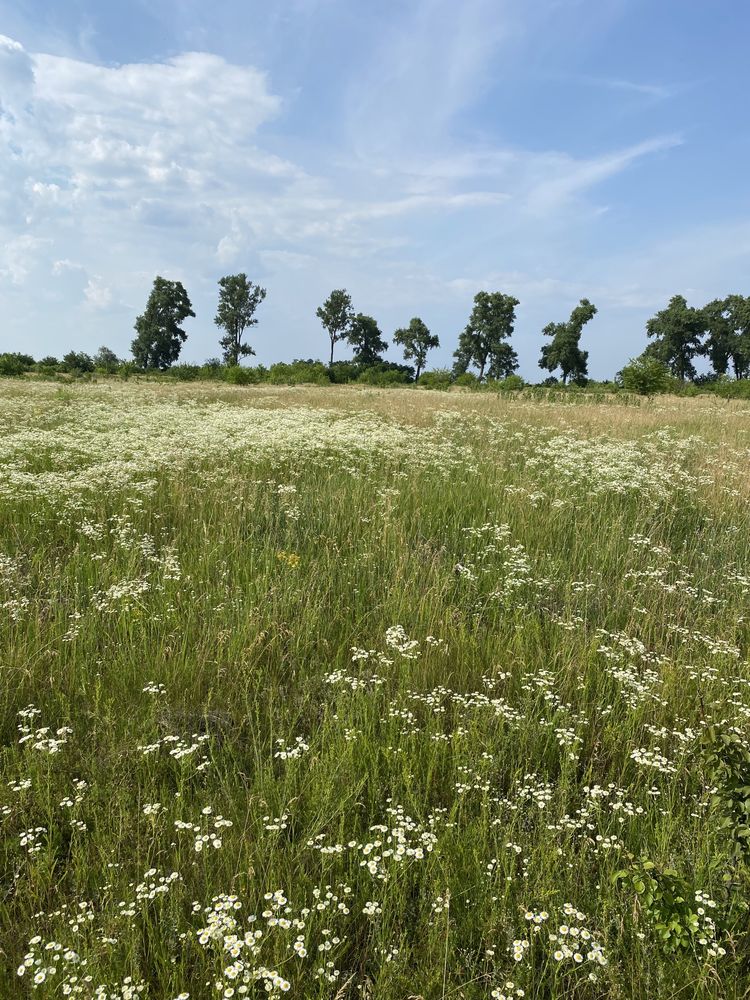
337,692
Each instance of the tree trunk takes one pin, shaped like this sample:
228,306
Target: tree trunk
333,341
419,369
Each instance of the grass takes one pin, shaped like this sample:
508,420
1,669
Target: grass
446,663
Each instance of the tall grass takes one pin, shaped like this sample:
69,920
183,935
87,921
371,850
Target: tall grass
202,591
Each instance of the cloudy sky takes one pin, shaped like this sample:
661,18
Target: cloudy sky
412,151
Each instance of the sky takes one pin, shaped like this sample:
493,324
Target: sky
413,152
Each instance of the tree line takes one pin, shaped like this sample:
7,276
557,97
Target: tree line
679,334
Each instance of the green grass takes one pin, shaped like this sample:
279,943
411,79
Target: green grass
238,547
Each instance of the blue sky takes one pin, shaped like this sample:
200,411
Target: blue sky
412,152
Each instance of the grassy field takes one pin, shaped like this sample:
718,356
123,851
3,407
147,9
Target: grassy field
379,694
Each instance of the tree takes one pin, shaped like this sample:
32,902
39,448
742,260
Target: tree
645,375
238,300
159,337
564,351
678,330
106,360
365,337
728,327
416,341
483,342
336,315
78,362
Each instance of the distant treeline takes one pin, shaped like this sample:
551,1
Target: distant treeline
484,355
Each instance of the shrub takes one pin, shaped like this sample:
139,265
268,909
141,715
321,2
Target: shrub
78,363
239,375
341,372
184,372
15,364
507,384
467,380
645,376
298,373
439,378
389,376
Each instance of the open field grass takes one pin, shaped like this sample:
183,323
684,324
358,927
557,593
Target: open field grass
372,693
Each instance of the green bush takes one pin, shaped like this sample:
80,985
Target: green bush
341,372
239,375
298,373
380,377
507,384
467,380
439,378
645,376
15,364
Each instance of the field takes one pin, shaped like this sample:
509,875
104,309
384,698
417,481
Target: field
372,693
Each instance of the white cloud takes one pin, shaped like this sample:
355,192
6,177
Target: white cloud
97,295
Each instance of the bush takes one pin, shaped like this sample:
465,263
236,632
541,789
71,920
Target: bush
728,388
184,372
467,380
238,375
645,376
298,373
78,363
15,364
439,378
385,376
507,384
341,372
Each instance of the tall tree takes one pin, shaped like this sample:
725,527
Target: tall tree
238,300
365,337
159,337
106,360
484,341
416,341
564,351
336,315
677,330
728,326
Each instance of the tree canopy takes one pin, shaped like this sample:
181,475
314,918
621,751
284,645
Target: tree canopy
728,328
416,341
564,351
365,337
238,300
677,330
160,337
483,342
336,315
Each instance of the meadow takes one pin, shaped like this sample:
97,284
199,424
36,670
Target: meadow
344,692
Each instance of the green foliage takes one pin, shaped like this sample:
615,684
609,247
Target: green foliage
238,301
341,372
467,380
564,351
336,315
298,373
386,373
677,330
78,363
439,378
667,902
15,365
727,762
160,337
511,383
483,343
728,325
416,341
240,375
646,376
365,337
105,360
